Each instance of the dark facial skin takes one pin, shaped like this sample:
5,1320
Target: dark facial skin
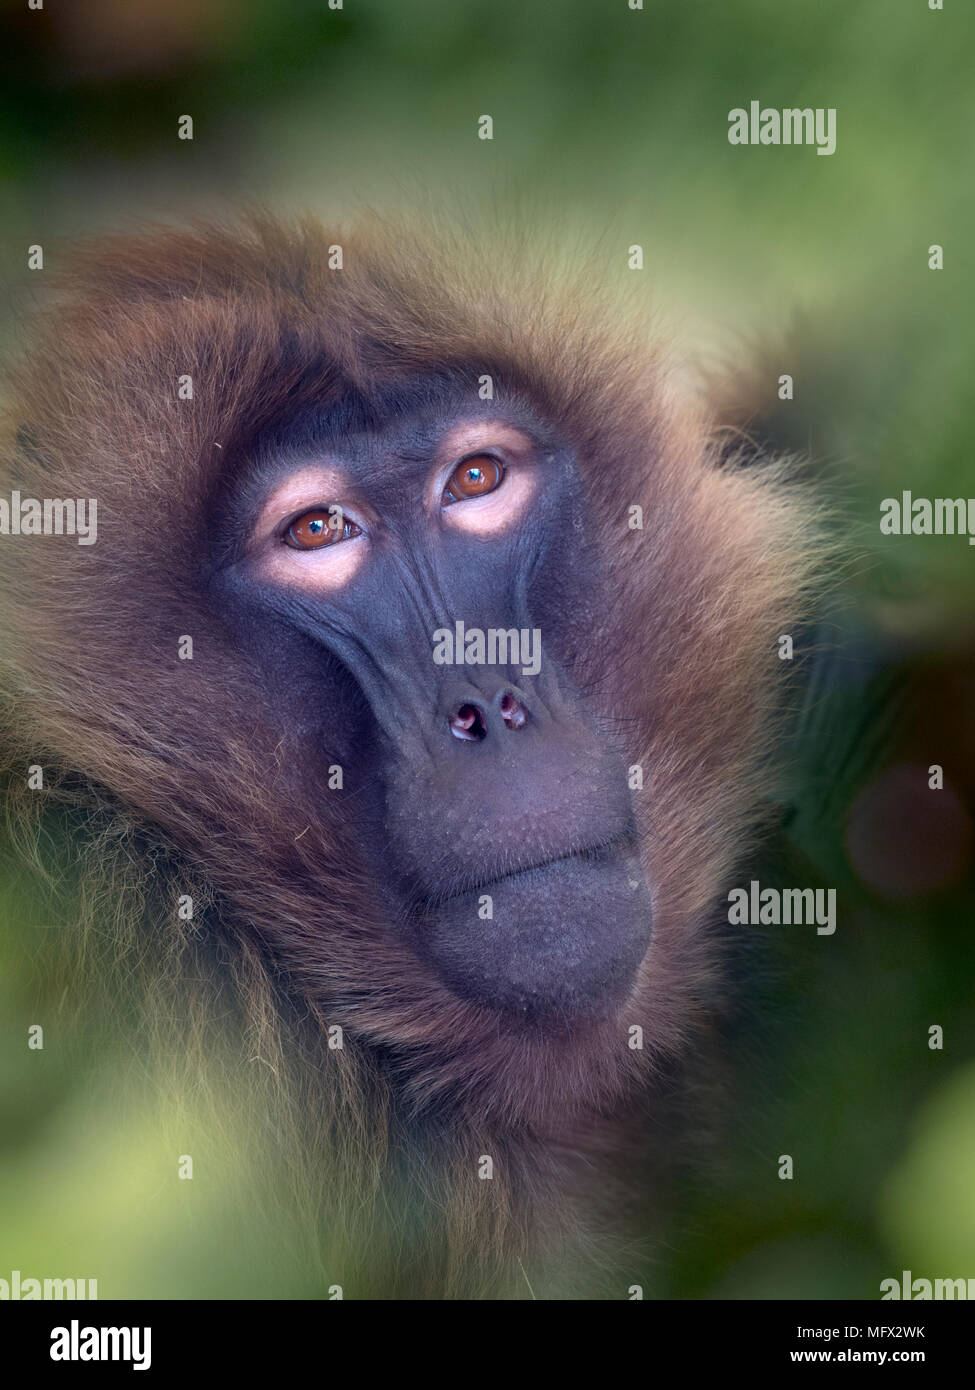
493,808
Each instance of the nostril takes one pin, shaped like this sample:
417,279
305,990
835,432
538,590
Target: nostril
513,712
468,723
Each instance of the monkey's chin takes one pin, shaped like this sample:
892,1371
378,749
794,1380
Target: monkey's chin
558,942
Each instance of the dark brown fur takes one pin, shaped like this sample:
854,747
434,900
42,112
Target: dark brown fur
685,665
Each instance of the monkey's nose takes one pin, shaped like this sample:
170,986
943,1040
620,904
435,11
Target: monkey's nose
473,718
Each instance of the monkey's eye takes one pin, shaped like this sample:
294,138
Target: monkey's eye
473,478
320,527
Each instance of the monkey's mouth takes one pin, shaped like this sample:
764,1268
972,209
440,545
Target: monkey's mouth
559,938
474,885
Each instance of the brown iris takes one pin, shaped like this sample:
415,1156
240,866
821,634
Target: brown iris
473,478
317,528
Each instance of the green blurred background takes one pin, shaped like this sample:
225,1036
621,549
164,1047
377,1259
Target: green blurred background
611,121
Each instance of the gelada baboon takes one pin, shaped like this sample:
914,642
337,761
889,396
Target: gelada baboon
427,649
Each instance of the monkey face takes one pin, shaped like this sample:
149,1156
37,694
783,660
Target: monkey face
382,659
423,560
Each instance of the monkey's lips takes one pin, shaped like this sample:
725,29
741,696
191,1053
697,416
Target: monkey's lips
559,939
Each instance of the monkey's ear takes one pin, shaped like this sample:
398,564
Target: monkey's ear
767,395
858,706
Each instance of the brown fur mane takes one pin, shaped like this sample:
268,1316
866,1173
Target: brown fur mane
685,666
